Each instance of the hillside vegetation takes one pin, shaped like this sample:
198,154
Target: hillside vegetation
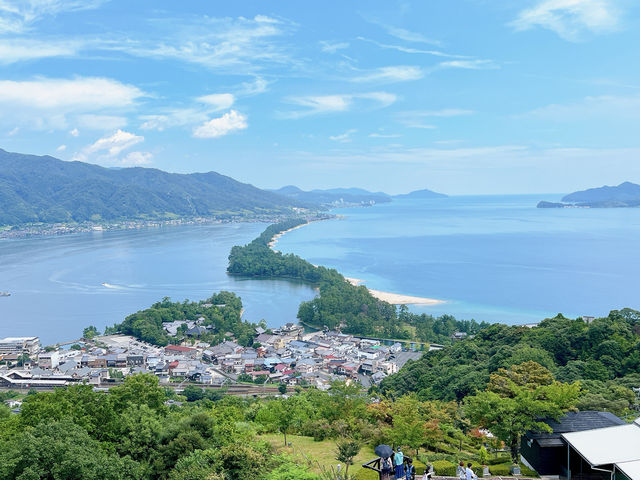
603,356
45,189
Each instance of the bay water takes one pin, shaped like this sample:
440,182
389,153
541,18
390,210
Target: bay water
56,283
493,258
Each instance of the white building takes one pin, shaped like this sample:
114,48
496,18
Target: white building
49,360
19,345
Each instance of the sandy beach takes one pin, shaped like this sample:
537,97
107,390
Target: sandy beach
275,238
392,298
396,298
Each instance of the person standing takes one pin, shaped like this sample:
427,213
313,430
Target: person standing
410,471
398,459
469,473
460,471
386,467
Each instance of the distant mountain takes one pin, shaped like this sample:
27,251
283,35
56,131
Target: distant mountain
421,194
45,189
626,194
334,196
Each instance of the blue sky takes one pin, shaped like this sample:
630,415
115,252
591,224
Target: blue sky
459,96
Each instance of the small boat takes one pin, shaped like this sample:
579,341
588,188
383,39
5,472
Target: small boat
5,294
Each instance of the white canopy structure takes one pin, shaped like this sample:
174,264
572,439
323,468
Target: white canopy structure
617,447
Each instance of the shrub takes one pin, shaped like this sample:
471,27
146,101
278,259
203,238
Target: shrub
443,468
366,474
501,469
527,472
498,460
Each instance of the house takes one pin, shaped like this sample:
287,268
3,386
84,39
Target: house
180,350
196,331
547,452
49,360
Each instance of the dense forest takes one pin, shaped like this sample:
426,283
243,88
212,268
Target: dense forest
221,313
604,356
340,304
140,430
45,189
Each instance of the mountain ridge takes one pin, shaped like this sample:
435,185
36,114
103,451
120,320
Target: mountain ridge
45,189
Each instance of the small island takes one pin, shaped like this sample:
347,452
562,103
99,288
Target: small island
626,194
421,194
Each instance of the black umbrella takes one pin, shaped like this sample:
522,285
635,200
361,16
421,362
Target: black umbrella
384,451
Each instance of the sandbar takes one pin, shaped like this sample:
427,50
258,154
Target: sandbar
392,298
277,236
396,298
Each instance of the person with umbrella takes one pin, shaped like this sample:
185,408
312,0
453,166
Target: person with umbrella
386,467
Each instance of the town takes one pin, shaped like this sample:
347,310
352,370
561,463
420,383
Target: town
286,356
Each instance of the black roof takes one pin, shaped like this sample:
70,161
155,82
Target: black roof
573,422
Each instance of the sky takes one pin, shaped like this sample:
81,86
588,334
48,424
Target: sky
458,96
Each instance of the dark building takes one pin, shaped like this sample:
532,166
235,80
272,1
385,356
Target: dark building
547,452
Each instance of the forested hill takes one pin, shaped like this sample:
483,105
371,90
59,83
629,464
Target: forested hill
603,355
626,194
45,189
334,196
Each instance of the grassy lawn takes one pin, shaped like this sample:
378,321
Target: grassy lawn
304,448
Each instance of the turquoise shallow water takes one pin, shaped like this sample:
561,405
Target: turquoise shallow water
56,282
494,258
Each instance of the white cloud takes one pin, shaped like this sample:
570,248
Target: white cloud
477,64
257,86
67,95
136,158
333,47
218,101
266,19
18,50
403,49
319,104
101,122
445,112
417,118
178,117
107,150
59,104
14,131
603,108
61,148
16,16
344,137
384,135
224,125
226,44
74,132
114,144
406,35
400,73
570,18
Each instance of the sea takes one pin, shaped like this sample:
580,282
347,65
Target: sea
491,258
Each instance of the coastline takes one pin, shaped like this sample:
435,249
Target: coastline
389,297
274,240
396,298
54,229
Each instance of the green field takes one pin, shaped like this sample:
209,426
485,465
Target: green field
316,454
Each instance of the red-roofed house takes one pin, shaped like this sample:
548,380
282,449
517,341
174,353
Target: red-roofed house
180,350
